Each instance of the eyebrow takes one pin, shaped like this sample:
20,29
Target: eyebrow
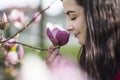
68,12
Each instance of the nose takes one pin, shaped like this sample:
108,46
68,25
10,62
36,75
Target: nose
69,27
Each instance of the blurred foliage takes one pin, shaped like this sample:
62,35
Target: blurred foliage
28,50
66,50
71,51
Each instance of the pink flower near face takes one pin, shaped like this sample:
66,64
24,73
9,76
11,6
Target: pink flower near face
57,35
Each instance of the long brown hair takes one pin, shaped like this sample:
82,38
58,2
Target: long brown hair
101,53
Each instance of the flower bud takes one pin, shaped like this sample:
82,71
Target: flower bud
37,17
20,52
3,22
57,35
4,17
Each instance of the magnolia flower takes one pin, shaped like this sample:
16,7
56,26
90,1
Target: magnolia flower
13,52
11,58
8,45
57,35
18,18
3,22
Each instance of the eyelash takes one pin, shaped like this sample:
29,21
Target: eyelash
73,18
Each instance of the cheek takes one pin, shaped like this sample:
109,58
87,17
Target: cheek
82,38
80,23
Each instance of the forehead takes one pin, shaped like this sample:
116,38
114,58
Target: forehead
71,5
69,2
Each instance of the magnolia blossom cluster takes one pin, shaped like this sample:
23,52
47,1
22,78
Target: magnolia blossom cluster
57,35
13,52
18,18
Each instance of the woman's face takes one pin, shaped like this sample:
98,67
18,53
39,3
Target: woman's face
76,23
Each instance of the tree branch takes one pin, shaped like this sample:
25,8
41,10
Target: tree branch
41,49
25,26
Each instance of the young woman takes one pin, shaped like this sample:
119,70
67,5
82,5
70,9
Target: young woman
96,25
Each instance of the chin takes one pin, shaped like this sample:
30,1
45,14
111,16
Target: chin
81,43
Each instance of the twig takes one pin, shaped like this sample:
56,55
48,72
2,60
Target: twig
40,13
41,49
25,26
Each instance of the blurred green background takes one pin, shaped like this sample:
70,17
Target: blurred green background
35,34
71,51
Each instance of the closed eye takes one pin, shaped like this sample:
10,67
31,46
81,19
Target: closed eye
73,18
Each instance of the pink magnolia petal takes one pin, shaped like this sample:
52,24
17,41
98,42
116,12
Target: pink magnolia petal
65,68
62,37
8,46
17,15
51,37
4,17
20,52
11,58
54,31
